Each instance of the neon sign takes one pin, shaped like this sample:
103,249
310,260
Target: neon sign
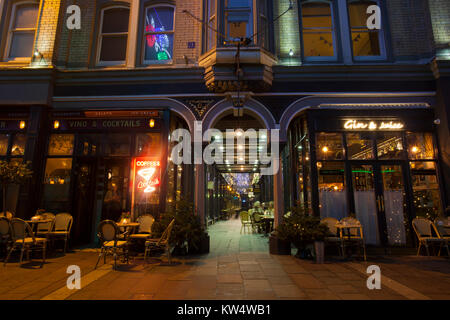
372,125
147,170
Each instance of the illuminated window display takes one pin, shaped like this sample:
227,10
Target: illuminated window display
362,165
159,34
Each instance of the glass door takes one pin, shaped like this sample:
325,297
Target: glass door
365,199
392,202
116,189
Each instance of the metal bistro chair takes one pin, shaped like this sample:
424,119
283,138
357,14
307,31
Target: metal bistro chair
245,221
256,221
443,232
43,229
5,233
62,226
23,238
353,235
145,227
423,229
108,232
334,236
163,242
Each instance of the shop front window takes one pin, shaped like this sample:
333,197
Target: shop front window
148,144
18,145
4,140
332,190
88,144
426,193
57,184
360,146
117,145
61,145
329,146
389,145
420,146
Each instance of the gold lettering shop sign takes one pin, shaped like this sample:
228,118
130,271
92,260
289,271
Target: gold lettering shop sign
373,125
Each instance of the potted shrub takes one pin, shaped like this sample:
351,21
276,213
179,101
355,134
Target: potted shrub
304,231
188,235
12,173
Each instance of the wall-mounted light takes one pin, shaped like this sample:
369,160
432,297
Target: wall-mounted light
22,125
415,149
291,53
56,124
38,54
152,123
325,149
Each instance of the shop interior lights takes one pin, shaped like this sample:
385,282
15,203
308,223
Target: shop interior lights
56,124
22,125
152,123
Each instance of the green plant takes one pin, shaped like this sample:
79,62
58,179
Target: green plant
13,173
187,230
301,229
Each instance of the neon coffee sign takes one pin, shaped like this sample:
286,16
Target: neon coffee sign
147,170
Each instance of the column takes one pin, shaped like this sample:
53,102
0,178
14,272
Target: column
132,33
278,197
199,185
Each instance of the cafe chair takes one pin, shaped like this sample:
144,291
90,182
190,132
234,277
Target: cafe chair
24,239
61,230
108,233
333,237
161,243
5,233
145,227
424,231
443,232
256,222
353,235
43,229
245,221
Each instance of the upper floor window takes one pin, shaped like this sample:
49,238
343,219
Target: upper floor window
239,19
337,29
159,34
113,36
365,42
211,35
22,29
317,29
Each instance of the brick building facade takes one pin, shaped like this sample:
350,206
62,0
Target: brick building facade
176,62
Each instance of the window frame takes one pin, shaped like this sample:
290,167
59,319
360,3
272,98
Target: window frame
334,7
10,32
100,37
251,23
145,33
381,36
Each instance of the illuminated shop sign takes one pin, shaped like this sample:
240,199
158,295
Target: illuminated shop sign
146,180
372,125
99,124
147,175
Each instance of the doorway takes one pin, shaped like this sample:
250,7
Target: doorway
116,188
379,196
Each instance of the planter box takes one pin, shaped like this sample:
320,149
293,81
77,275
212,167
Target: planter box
203,248
278,246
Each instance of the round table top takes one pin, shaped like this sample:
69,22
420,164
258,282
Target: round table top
39,221
128,224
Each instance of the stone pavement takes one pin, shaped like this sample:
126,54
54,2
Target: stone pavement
238,267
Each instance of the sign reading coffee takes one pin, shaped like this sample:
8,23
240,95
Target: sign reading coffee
372,125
